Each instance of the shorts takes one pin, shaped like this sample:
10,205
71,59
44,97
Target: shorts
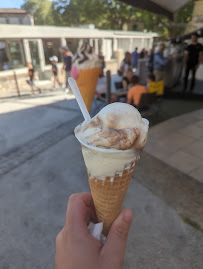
31,82
55,74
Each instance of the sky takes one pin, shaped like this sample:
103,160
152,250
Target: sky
11,3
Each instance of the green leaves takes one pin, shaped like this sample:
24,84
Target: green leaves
105,14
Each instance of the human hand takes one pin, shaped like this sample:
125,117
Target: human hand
77,248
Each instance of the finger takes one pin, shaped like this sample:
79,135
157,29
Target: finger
80,211
114,247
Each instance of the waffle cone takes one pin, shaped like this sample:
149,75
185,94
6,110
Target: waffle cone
87,82
108,195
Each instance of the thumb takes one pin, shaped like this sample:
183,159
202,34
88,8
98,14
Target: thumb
115,244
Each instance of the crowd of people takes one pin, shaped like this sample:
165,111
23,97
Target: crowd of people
156,61
156,66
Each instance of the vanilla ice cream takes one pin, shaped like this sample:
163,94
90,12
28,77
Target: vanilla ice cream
112,139
119,126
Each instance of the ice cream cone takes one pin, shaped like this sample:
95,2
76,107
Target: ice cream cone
111,145
108,195
87,82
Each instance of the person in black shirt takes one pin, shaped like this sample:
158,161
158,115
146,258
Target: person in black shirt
67,63
192,60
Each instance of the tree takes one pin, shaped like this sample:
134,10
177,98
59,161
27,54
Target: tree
42,11
77,12
105,14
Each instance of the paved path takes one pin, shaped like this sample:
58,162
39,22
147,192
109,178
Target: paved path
44,168
179,143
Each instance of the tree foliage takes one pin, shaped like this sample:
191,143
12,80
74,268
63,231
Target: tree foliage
105,14
41,9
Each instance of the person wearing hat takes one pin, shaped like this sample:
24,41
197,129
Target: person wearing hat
54,61
192,59
67,63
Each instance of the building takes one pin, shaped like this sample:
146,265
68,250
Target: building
15,16
20,44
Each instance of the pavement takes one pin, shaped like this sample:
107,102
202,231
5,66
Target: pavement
41,165
179,143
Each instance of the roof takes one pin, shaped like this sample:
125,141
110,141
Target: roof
12,11
28,31
165,7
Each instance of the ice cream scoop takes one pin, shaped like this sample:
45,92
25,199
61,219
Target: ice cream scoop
86,58
86,70
117,126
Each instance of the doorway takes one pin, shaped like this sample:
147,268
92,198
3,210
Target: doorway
34,52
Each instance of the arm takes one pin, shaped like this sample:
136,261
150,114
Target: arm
200,59
186,54
129,101
129,98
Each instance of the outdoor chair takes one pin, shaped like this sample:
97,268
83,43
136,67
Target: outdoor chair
156,87
118,85
146,100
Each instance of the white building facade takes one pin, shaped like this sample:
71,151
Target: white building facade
20,44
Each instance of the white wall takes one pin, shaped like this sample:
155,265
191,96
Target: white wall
107,49
129,44
2,20
14,20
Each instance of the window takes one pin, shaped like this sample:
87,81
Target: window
16,57
51,48
11,55
4,60
20,20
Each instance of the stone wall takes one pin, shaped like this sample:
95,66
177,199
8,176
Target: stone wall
8,84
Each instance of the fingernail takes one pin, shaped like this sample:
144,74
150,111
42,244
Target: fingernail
128,215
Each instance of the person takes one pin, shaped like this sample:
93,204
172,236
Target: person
67,63
126,81
135,56
142,54
134,94
77,248
159,63
192,60
126,64
31,81
150,78
151,60
101,57
54,60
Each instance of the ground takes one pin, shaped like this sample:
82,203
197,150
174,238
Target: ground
41,165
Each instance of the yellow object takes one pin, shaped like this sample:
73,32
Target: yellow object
108,195
157,87
87,83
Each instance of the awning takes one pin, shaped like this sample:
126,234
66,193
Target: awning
165,7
